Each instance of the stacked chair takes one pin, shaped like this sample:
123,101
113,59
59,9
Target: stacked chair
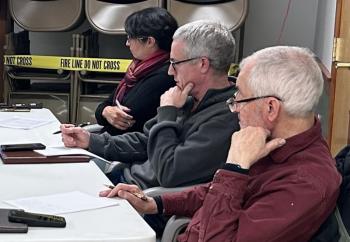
53,88
232,13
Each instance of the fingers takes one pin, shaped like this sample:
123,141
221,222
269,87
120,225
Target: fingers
64,127
176,96
125,109
114,192
74,136
274,144
123,187
135,197
122,124
187,89
68,132
118,117
124,115
250,144
104,193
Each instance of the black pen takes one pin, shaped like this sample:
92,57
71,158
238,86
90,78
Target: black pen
136,194
79,125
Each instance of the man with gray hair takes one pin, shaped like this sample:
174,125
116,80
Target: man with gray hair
192,122
279,182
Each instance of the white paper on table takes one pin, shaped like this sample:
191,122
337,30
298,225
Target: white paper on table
62,203
17,122
62,150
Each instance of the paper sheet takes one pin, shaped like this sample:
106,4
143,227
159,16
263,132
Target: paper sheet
61,150
17,122
62,203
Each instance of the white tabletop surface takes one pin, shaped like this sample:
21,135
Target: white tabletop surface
118,223
42,134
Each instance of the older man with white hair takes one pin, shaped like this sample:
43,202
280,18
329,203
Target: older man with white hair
279,182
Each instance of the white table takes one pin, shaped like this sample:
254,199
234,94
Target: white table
42,134
115,224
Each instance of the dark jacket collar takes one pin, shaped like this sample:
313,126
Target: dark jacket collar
213,96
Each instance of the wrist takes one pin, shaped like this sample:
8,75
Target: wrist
158,208
242,165
236,168
105,111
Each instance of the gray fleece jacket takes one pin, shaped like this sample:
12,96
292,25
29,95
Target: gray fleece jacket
178,147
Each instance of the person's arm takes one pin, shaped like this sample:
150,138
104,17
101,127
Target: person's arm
179,161
184,203
144,98
99,110
280,211
128,147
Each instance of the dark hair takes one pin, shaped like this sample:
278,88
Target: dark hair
155,22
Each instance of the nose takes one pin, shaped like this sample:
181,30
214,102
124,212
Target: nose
234,107
171,70
127,43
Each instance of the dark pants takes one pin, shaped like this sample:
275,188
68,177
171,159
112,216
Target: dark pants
157,222
116,176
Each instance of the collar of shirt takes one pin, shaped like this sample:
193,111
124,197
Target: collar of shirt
297,143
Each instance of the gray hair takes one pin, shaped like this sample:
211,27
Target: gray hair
209,39
290,73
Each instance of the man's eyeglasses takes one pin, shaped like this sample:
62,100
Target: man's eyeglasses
232,103
174,63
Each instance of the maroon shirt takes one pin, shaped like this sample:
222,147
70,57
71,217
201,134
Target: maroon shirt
286,196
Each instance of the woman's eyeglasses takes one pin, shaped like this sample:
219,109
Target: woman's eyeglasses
141,38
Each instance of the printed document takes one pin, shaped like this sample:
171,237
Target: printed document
17,122
62,203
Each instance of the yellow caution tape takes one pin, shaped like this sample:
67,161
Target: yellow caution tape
68,63
233,71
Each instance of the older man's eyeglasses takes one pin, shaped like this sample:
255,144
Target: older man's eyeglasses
233,104
173,62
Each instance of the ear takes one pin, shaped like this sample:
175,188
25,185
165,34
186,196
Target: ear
273,109
205,64
151,41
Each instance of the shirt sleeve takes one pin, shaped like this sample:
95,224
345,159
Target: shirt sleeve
129,147
181,158
185,203
276,212
98,113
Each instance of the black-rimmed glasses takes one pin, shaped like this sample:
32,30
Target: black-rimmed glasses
232,103
174,62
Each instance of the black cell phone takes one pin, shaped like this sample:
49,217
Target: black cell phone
20,147
36,219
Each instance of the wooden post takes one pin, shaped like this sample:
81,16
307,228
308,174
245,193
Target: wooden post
4,29
349,129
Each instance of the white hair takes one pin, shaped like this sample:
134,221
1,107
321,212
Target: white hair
290,73
210,39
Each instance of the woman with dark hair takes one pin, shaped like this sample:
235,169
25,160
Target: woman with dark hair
135,100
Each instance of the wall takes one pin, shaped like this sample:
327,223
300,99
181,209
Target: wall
265,19
309,24
323,44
